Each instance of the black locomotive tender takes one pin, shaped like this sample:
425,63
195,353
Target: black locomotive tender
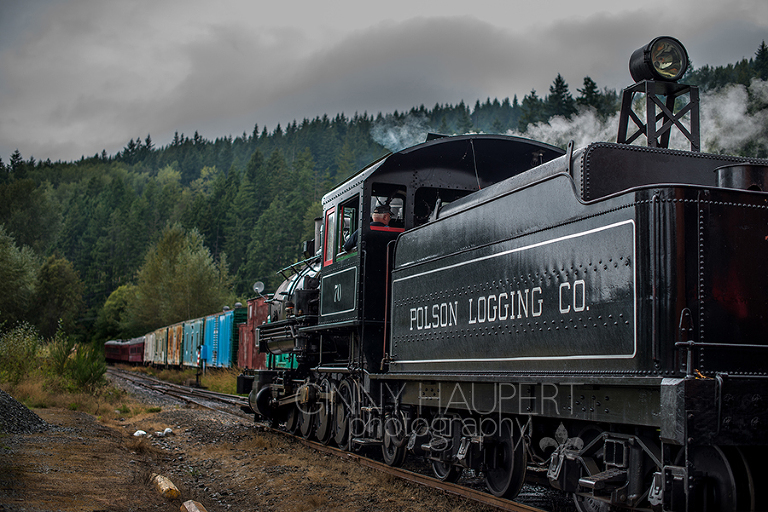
593,317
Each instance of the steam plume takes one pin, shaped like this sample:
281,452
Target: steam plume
396,132
732,118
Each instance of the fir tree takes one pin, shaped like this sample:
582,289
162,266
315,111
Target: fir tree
531,111
761,62
17,168
242,217
148,144
560,102
590,94
464,122
444,128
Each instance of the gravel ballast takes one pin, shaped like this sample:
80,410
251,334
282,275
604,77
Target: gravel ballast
17,419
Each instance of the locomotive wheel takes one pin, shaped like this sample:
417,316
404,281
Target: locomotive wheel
342,413
393,447
292,419
725,479
508,460
755,457
742,474
307,423
446,471
324,417
324,423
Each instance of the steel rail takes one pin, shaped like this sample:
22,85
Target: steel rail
183,393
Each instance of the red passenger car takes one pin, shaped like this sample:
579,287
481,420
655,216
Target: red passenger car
125,351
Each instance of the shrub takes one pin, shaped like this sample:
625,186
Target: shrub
60,349
18,348
87,368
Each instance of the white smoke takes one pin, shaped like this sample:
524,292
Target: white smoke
396,132
584,127
731,118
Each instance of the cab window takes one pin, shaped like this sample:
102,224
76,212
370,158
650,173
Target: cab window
348,226
330,236
341,224
428,202
392,195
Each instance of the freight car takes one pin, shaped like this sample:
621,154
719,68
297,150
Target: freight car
213,339
174,349
158,351
220,337
594,316
249,358
193,338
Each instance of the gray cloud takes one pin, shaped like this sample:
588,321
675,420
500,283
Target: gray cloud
81,76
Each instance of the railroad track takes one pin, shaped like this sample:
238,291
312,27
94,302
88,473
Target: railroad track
232,404
200,397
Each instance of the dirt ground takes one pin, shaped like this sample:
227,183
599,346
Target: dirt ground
225,463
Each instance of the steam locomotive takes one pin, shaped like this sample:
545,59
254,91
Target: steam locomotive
593,317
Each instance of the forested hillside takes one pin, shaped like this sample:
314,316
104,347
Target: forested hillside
115,245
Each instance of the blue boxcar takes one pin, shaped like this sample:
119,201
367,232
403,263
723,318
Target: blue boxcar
221,337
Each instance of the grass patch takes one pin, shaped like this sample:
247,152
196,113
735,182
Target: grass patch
172,376
221,380
59,374
107,403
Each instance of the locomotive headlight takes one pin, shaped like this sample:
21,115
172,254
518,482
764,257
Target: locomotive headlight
664,59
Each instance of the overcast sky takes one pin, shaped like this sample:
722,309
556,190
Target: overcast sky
78,77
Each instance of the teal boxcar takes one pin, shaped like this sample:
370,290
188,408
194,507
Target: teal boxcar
193,338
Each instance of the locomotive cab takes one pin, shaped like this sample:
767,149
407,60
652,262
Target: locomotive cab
357,254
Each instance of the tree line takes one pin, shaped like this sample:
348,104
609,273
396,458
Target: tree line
116,245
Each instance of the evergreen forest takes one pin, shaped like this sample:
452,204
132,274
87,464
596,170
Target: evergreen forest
112,246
